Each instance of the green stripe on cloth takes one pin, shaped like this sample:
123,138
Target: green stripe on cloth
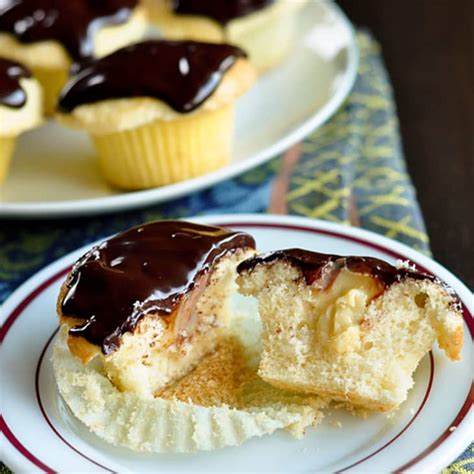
350,171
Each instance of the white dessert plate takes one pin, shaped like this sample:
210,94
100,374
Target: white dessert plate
431,428
54,172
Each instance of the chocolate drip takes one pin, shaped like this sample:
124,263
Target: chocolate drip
181,73
324,268
11,93
221,11
73,23
147,269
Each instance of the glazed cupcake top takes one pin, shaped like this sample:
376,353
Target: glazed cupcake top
147,269
72,23
324,268
12,93
183,74
219,10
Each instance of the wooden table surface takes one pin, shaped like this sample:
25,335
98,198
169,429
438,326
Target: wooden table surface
428,47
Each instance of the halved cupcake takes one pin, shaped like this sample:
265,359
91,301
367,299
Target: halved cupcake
48,36
20,108
152,301
351,328
159,111
263,28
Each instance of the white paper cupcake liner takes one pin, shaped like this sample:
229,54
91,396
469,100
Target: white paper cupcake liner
159,425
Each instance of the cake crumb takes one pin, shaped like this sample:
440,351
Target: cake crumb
405,265
215,381
452,428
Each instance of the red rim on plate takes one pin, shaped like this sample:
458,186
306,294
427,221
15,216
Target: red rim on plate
18,310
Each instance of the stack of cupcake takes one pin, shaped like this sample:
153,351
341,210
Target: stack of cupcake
158,111
39,42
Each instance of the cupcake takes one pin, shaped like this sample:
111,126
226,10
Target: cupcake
263,28
20,108
151,355
48,36
352,328
159,111
152,301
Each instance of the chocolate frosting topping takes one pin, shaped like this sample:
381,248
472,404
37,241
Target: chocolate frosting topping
145,270
73,23
11,93
324,267
181,73
220,10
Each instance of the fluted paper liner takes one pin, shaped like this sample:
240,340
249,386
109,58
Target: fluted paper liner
167,151
170,425
52,81
7,146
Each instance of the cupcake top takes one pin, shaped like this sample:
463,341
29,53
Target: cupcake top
183,74
324,268
20,99
145,270
218,10
12,94
72,23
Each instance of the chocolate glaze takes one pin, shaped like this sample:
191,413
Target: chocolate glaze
181,73
323,268
221,11
73,23
145,270
11,93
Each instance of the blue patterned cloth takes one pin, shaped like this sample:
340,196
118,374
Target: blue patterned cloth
350,171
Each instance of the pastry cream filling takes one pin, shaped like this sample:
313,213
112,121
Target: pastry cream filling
339,310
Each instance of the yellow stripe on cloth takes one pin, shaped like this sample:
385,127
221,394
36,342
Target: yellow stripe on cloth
352,169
